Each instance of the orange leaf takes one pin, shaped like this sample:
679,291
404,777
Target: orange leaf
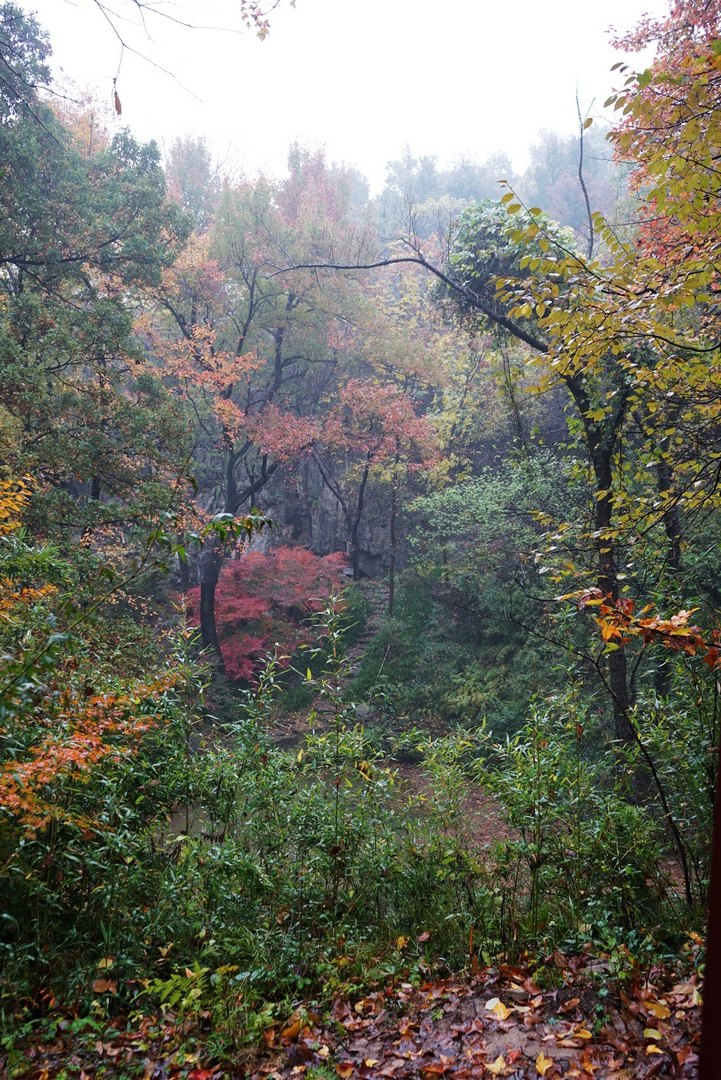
292,1031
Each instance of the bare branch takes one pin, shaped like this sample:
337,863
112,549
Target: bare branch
418,259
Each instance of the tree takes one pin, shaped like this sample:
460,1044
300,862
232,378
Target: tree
372,432
264,603
24,50
250,351
551,180
82,231
193,182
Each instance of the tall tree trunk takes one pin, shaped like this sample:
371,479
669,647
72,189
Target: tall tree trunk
601,440
393,538
710,1057
674,536
183,569
355,523
209,563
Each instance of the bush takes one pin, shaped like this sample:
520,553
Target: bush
264,600
584,861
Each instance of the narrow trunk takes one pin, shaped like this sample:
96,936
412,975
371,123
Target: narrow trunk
608,584
710,1057
209,565
392,560
672,528
183,570
601,439
354,553
355,525
393,538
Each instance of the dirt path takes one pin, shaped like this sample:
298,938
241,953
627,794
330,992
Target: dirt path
479,822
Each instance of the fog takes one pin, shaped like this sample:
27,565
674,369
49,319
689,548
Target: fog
363,78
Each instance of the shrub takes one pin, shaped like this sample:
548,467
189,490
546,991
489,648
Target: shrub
264,600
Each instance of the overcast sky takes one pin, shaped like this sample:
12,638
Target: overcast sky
364,78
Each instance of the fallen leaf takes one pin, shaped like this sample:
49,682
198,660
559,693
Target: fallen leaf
543,1064
651,1049
651,1033
661,1012
345,1069
292,1031
499,1010
498,1067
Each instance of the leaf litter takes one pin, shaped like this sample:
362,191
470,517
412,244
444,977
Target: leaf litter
500,1023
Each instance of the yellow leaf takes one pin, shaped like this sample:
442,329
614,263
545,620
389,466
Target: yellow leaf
105,963
582,1033
499,1010
651,1049
661,1012
401,942
543,1064
651,1033
498,1067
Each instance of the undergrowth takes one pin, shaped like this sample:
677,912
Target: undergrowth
313,873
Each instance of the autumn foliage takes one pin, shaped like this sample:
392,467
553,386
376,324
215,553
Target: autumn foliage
85,735
620,623
264,600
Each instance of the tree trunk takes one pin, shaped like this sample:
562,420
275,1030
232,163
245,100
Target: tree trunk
608,584
393,538
183,570
209,563
674,535
710,1058
355,524
601,440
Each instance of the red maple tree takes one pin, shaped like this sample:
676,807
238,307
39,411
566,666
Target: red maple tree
264,600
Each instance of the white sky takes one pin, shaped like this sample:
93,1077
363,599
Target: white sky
364,78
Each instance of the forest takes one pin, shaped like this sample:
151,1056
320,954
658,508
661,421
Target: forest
360,621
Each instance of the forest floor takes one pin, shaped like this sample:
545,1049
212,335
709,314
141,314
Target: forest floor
500,1022
584,1017
480,822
